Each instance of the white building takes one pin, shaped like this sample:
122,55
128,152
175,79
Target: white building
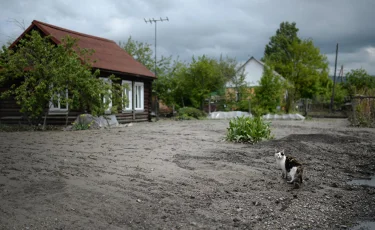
253,70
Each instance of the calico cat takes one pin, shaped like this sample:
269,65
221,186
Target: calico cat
290,166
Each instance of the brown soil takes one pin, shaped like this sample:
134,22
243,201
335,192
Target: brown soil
182,175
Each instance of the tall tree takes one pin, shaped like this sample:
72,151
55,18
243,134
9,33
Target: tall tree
299,61
308,69
278,48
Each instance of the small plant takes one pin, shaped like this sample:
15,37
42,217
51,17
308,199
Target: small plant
247,129
188,113
80,126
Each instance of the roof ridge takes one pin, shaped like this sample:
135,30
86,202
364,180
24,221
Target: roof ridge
72,31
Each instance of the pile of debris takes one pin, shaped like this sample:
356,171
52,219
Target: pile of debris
233,114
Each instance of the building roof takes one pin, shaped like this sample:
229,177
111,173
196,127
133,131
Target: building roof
261,63
108,55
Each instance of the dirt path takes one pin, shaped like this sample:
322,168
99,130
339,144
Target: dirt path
182,175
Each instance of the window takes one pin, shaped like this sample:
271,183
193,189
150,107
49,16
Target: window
128,93
58,102
139,95
107,99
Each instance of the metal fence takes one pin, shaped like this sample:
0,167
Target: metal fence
320,108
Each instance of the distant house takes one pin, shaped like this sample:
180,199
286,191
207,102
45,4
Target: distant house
253,70
110,59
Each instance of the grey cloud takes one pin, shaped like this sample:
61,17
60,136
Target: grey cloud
238,29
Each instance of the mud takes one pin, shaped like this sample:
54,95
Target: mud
183,175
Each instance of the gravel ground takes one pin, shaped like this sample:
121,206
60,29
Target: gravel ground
182,175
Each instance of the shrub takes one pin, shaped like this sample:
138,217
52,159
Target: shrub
188,113
247,129
363,114
80,126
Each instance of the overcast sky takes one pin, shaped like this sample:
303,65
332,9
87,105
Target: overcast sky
237,28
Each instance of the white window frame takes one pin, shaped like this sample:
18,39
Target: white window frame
58,109
129,93
109,110
141,97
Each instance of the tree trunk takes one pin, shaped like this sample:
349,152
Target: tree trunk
202,103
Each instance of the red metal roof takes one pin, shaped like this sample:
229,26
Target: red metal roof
108,55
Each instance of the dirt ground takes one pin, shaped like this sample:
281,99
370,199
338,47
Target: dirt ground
182,175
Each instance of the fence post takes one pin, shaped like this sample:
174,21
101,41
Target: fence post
354,115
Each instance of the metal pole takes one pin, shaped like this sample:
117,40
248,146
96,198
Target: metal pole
155,70
334,79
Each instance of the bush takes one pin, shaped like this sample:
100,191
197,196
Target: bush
247,129
188,113
363,114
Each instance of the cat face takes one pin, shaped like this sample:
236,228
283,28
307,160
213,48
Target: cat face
279,155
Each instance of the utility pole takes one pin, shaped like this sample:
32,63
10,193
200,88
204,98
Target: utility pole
334,79
155,21
341,74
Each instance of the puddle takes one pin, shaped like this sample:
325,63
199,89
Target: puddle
368,182
364,225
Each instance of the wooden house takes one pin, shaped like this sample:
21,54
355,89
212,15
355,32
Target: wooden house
110,59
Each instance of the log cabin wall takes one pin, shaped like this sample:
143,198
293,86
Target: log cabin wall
10,110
